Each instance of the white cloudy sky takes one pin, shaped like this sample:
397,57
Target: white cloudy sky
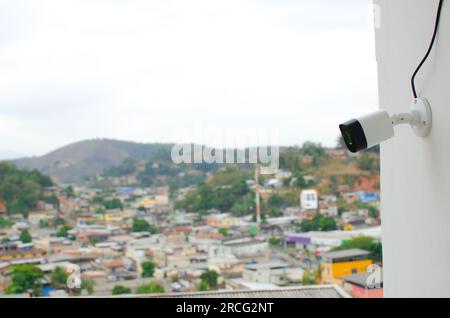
169,70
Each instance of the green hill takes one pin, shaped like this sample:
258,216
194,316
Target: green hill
76,161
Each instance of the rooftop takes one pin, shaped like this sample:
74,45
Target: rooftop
346,253
318,291
267,265
359,279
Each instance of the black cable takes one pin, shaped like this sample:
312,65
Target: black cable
436,27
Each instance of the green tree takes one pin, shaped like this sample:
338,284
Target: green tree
223,231
274,201
140,225
25,236
314,150
120,290
308,278
203,286
5,223
274,240
152,288
58,278
64,231
70,193
113,204
318,223
327,224
25,278
290,159
210,278
88,285
51,199
148,269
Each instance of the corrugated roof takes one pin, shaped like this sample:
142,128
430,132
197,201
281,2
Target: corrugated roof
319,291
346,253
360,279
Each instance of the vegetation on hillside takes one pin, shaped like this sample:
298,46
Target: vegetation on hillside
21,190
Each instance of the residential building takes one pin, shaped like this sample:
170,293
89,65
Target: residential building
13,252
220,220
309,200
271,272
356,285
336,265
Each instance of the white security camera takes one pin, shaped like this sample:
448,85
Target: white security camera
372,129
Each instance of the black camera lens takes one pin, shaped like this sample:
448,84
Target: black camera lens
353,135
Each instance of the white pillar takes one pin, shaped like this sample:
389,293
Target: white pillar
415,172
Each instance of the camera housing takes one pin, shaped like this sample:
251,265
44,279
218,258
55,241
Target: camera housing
372,129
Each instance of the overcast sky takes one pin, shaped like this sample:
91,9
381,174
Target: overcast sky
177,70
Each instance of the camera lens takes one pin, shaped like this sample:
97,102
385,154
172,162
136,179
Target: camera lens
353,135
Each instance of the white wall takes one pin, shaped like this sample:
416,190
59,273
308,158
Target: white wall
415,173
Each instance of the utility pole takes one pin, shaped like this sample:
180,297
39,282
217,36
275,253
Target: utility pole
257,199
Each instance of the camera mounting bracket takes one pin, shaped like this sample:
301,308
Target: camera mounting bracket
419,117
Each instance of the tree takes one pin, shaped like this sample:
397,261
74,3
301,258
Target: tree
140,225
70,193
290,159
152,288
210,278
120,290
25,236
58,278
148,268
315,150
223,231
88,285
274,201
318,223
5,223
327,224
64,231
25,278
113,204
274,240
203,286
21,189
308,278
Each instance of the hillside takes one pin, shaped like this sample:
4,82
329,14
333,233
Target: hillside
76,161
21,190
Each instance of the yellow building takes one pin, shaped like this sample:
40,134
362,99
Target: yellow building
11,252
336,265
113,216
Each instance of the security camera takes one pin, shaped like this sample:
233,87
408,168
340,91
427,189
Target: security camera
372,129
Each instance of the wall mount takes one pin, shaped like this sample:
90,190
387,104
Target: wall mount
419,117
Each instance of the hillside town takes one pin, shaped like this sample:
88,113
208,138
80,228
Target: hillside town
236,230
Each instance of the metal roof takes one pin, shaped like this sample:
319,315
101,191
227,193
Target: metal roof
360,279
318,291
346,253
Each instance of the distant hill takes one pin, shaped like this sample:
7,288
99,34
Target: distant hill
76,161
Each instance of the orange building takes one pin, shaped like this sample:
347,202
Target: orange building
336,265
